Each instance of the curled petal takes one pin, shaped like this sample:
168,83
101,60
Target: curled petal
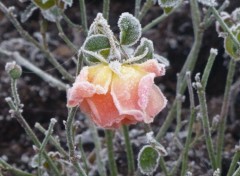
152,66
78,92
156,103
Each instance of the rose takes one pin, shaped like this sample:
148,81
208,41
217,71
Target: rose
112,98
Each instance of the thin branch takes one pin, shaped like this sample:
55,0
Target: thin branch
9,14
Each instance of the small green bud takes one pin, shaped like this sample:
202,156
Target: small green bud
14,70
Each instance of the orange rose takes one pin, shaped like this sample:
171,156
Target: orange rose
112,98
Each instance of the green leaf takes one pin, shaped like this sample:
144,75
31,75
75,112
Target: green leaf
231,48
93,56
96,43
130,29
47,5
145,43
148,159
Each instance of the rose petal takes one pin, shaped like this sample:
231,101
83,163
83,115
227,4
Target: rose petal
144,88
156,103
98,75
103,110
152,66
124,91
79,91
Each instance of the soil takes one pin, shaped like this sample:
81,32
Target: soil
172,38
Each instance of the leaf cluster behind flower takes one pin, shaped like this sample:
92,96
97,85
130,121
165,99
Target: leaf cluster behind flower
101,46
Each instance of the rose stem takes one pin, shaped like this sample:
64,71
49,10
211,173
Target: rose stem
129,151
83,16
70,142
111,159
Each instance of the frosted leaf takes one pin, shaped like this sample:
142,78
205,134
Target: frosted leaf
94,55
28,12
68,2
145,43
97,26
162,60
230,47
137,58
46,5
130,29
210,3
44,1
96,43
236,15
168,3
148,160
51,14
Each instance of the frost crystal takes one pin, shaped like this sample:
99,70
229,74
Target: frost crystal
168,3
210,3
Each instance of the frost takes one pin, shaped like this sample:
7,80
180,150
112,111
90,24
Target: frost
162,60
68,2
96,43
210,3
28,12
91,55
145,43
130,29
148,159
168,3
51,14
44,1
115,67
137,58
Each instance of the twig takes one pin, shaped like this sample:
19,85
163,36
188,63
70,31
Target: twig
83,16
224,112
137,7
129,150
111,159
106,5
211,59
13,170
31,134
189,64
44,143
163,166
146,6
205,122
225,27
100,164
70,142
237,172
52,140
65,38
159,19
83,155
234,162
9,14
25,63
190,125
69,22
